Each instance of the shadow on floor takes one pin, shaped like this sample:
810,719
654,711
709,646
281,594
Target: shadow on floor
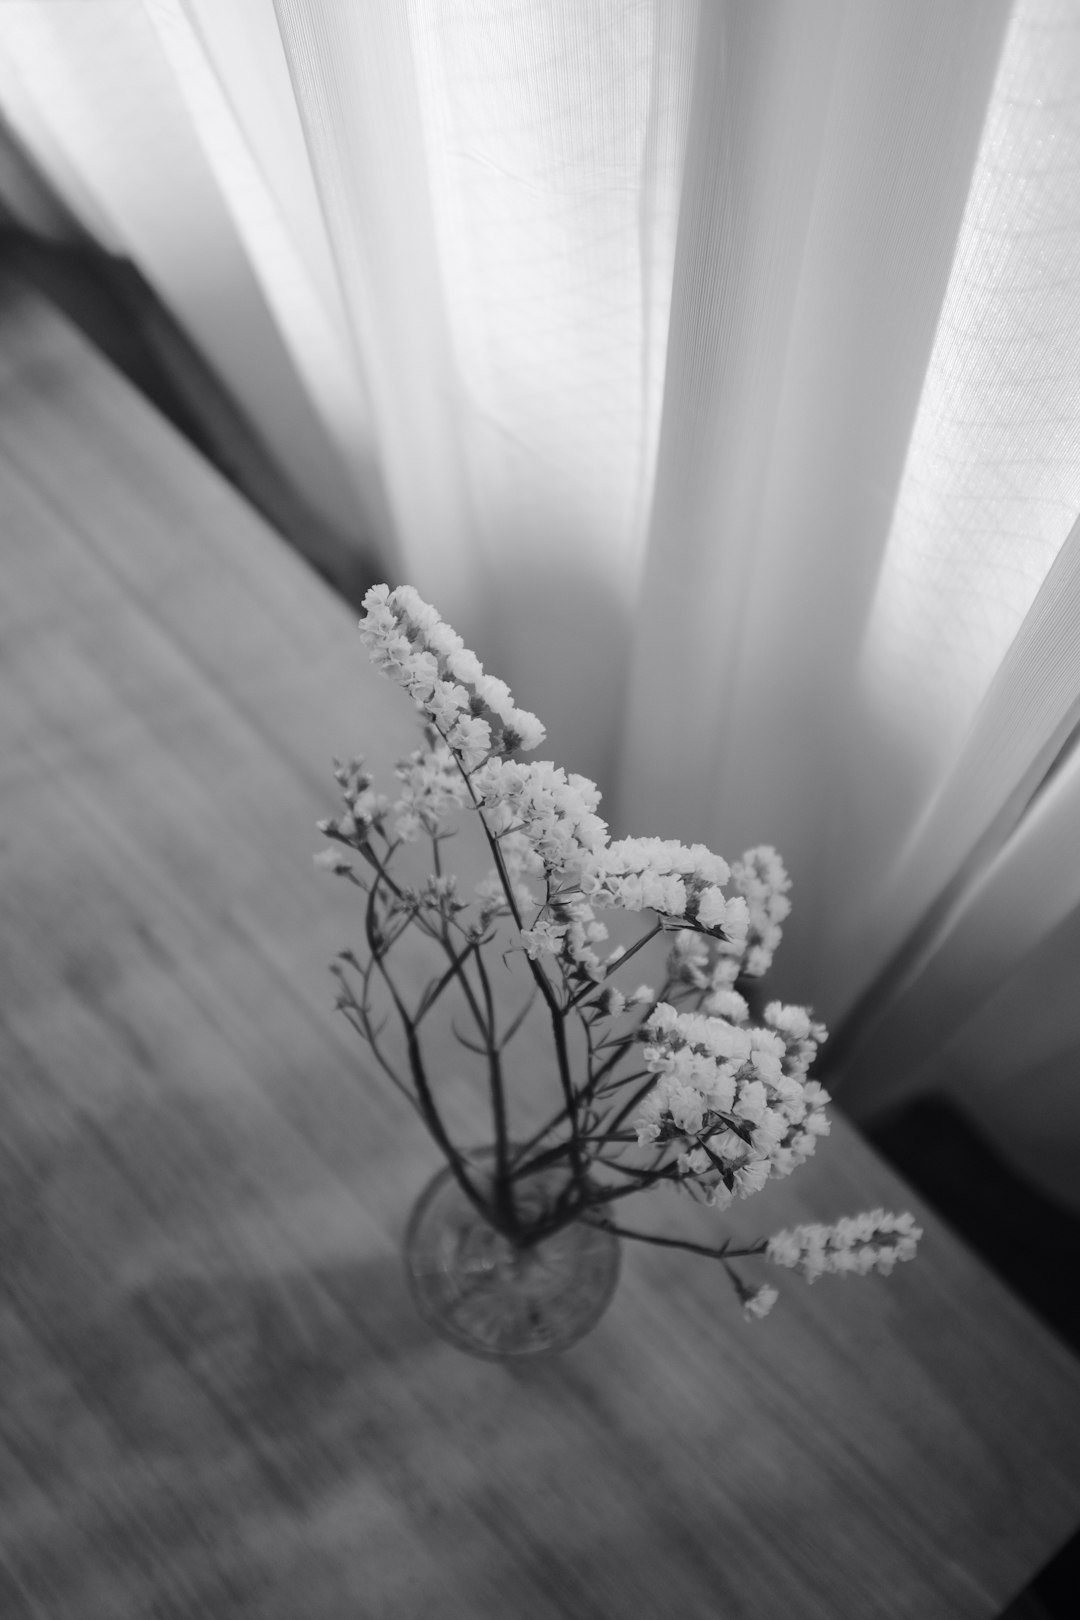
1031,1242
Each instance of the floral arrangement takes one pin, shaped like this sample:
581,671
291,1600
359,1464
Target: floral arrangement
673,1085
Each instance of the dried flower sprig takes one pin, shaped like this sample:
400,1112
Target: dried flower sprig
716,1103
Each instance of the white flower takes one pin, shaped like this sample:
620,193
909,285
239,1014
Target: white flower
769,1132
471,738
663,891
752,1102
553,812
707,867
727,1145
785,1248
688,959
856,1244
712,908
687,1108
432,788
759,1303
792,1022
762,881
726,1004
544,936
408,826
408,640
332,860
736,918
751,1177
719,1090
446,705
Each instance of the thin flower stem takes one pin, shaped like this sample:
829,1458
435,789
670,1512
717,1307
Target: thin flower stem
723,1253
624,1043
560,1151
538,1136
556,1012
613,967
432,1117
639,1096
617,1085
517,1021
359,1019
435,1124
641,1179
503,1197
433,992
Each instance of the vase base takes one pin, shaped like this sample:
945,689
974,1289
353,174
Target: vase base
492,1298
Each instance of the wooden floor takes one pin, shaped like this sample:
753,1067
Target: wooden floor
216,1398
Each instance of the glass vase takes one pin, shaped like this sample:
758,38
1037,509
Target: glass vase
496,1297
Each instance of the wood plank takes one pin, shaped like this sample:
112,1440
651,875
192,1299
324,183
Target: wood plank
219,1398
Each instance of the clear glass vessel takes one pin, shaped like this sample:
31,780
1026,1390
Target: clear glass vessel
495,1297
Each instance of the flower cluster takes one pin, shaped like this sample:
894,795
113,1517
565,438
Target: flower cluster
736,1098
432,789
762,881
710,966
757,1302
546,821
662,875
554,813
727,1101
568,932
874,1241
411,644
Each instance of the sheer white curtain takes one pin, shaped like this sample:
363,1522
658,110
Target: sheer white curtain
715,366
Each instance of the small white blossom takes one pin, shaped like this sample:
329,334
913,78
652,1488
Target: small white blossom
432,789
712,908
726,1004
759,1303
544,937
611,1002
332,860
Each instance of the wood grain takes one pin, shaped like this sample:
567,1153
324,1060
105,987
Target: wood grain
217,1399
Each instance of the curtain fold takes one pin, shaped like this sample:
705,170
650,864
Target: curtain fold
118,116
976,829
716,368
500,184
826,183
959,694
994,926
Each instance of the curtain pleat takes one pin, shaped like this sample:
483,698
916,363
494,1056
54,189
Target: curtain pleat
228,65
117,115
1026,892
354,79
980,819
829,161
501,184
955,704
